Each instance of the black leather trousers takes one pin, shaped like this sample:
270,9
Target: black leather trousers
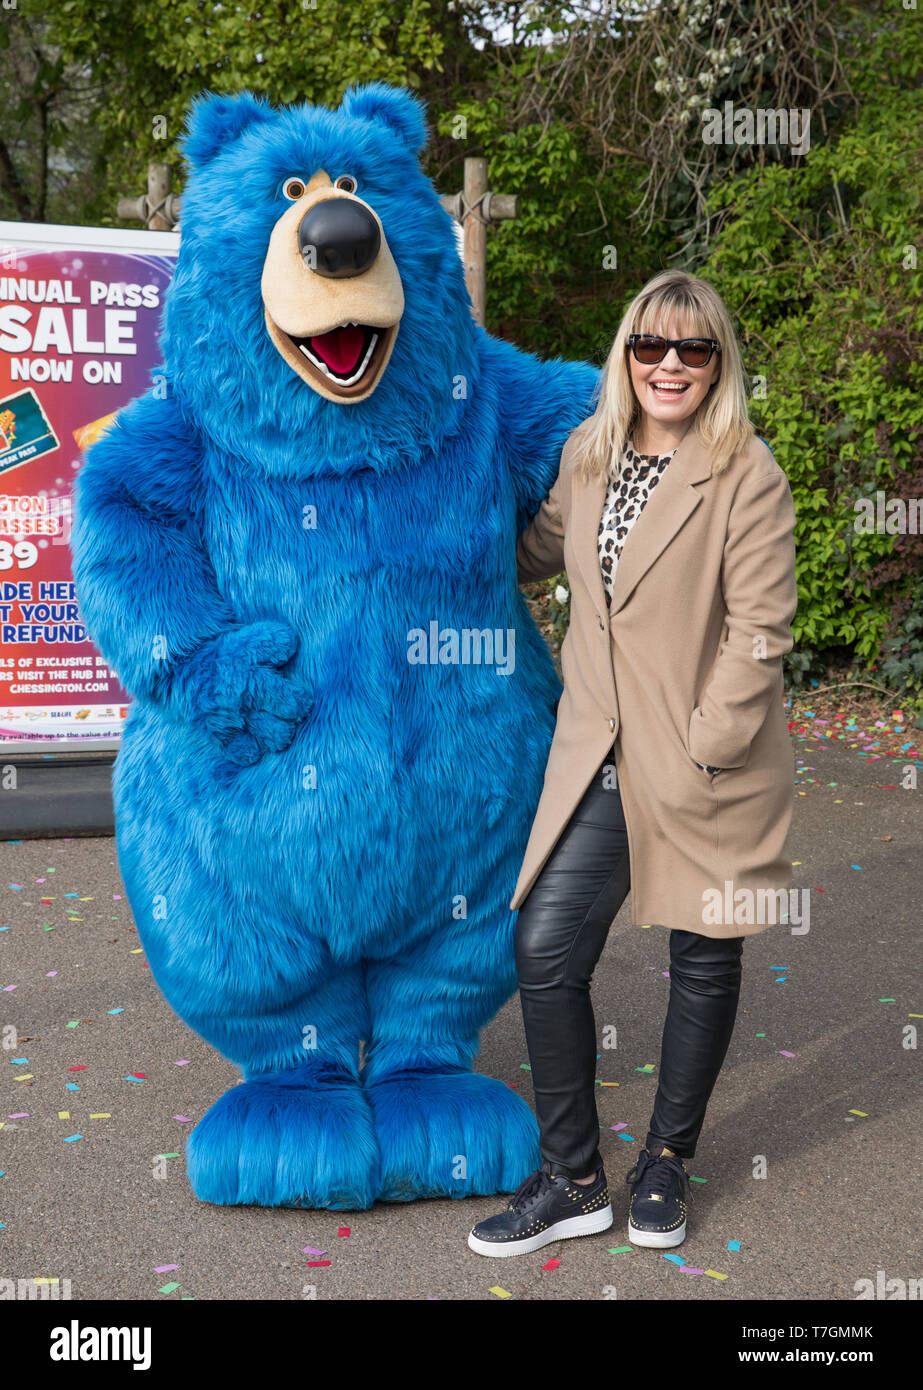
560,933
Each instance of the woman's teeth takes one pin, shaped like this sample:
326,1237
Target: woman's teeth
668,390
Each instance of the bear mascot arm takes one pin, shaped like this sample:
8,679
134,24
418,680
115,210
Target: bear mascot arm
148,595
549,400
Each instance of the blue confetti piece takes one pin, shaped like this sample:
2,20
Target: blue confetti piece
855,866
780,979
139,1079
4,928
629,1138
675,1259
116,1011
72,1138
733,1244
72,1086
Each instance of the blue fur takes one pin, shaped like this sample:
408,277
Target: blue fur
255,649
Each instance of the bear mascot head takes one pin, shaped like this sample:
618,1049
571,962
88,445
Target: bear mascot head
300,549
318,269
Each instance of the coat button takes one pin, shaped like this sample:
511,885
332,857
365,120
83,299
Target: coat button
611,723
601,623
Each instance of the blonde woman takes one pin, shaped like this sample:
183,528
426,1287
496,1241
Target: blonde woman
671,769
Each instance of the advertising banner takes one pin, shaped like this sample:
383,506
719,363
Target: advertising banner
80,314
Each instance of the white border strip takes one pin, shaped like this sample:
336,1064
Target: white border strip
51,236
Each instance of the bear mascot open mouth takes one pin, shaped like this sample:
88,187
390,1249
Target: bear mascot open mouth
331,290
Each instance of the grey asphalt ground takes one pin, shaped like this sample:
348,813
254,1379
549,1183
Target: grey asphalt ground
840,1201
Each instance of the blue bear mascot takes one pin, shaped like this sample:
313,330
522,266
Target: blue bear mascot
297,549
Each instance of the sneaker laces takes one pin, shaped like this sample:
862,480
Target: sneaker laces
656,1171
534,1186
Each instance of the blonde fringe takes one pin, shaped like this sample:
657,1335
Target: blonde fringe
721,421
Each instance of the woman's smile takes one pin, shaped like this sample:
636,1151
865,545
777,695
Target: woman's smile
668,390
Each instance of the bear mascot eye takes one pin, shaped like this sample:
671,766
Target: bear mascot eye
294,188
347,182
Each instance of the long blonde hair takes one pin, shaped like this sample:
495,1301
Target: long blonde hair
721,421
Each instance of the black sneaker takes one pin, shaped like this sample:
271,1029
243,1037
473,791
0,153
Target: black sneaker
657,1210
543,1209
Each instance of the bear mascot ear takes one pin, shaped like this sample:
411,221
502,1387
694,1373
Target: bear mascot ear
393,107
214,121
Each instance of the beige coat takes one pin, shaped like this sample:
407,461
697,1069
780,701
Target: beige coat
685,667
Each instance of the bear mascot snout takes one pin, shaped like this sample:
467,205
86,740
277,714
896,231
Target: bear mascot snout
297,549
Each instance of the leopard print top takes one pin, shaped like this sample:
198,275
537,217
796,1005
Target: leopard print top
638,475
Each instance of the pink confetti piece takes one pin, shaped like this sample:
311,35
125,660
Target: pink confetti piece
623,1124
687,1269
183,1119
164,1269
183,1063
20,1115
343,1231
785,1054
50,974
309,1250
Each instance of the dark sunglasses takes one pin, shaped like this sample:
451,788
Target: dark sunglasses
648,348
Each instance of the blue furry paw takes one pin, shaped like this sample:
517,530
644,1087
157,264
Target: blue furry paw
232,687
288,1140
451,1134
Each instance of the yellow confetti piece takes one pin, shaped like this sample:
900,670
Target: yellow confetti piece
40,1279
715,1275
859,1112
25,1076
101,1116
609,1083
501,1293
137,951
795,863
64,1114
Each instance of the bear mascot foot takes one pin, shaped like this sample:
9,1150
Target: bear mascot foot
450,1134
300,1138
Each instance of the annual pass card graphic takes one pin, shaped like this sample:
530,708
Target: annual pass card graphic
25,433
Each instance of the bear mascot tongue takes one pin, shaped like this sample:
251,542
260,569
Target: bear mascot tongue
341,709
340,348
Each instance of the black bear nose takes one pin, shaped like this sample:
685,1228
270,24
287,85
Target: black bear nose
338,238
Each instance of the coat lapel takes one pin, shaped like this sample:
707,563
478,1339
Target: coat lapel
668,506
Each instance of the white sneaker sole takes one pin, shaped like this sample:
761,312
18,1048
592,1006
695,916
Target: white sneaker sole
657,1239
586,1225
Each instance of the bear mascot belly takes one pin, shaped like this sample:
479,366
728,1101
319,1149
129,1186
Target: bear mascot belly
298,551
